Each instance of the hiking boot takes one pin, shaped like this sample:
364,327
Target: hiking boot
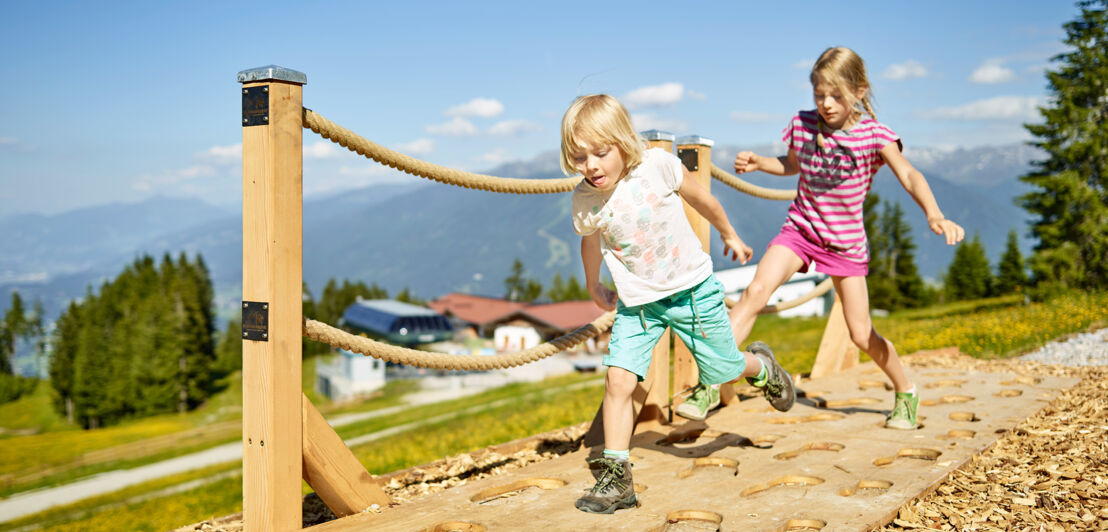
778,386
903,415
614,489
703,399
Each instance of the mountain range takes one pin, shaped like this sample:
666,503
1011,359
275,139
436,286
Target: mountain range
434,239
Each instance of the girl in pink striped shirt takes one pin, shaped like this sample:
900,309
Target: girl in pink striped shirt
836,149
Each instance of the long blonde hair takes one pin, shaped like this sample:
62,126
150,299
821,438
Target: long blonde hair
599,119
843,69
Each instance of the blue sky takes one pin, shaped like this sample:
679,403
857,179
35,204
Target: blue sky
104,102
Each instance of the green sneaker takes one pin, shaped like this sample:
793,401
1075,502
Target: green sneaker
614,489
778,387
703,400
903,416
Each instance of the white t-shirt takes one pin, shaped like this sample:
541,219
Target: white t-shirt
646,240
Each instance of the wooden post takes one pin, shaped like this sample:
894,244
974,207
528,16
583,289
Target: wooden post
836,350
272,277
695,153
650,400
655,411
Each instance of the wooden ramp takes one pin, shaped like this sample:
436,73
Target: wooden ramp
828,464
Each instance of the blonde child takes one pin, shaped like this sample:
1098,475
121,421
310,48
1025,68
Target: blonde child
837,149
629,214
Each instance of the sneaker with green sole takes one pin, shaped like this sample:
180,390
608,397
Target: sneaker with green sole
904,415
778,386
614,489
703,399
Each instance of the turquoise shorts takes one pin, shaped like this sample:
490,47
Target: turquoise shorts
698,316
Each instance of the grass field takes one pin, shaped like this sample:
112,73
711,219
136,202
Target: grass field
987,329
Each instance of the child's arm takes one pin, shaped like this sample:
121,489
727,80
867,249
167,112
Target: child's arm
709,207
604,297
913,181
747,161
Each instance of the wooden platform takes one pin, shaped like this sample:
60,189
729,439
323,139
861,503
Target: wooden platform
828,464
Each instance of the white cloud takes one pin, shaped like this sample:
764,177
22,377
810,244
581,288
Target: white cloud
655,95
645,121
804,64
497,156
910,69
514,127
231,153
998,108
174,178
992,71
323,149
5,141
697,95
755,117
416,147
458,127
482,107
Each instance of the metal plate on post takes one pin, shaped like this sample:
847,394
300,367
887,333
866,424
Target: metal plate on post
255,106
255,321
690,157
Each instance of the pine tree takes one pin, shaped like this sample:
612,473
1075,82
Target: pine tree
881,290
1010,273
63,358
14,326
905,273
575,291
515,285
1070,200
969,276
557,290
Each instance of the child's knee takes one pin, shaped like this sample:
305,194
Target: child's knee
621,382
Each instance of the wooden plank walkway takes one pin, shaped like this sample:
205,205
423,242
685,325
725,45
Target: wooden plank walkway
828,464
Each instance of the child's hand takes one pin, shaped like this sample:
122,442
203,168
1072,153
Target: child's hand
603,296
746,161
952,231
736,249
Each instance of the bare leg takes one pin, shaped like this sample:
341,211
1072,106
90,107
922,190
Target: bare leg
855,300
777,266
618,411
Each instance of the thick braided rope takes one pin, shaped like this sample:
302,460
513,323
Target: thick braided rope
401,355
750,188
450,176
819,290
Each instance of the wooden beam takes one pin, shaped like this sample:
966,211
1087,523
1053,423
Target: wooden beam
836,351
339,479
272,275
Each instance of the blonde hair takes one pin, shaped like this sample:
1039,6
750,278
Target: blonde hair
599,119
844,69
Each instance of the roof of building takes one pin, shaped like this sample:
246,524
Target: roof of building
397,322
477,310
566,315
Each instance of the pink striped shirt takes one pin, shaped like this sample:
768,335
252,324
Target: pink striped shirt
834,181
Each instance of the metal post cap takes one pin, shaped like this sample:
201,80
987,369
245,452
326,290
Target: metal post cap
654,134
696,140
274,73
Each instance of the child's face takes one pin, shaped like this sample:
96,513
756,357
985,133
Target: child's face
832,104
601,164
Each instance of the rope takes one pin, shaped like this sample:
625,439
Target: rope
450,176
819,290
750,188
401,355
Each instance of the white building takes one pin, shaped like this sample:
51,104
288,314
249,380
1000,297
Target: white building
347,375
736,280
